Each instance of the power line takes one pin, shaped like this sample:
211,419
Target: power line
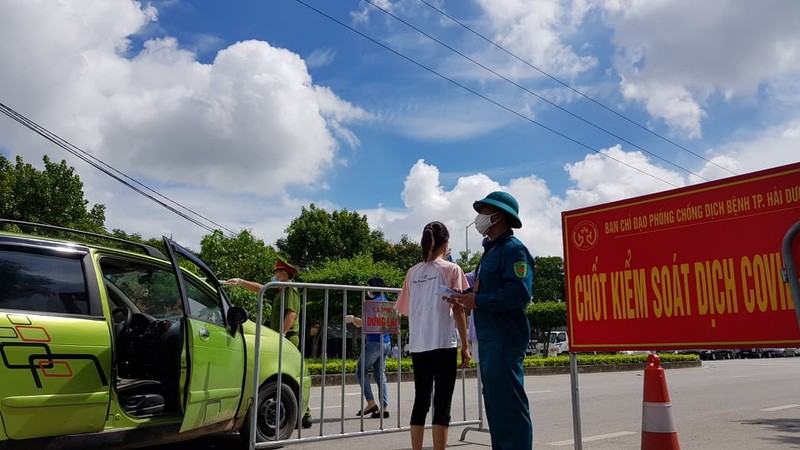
586,96
110,170
472,91
555,105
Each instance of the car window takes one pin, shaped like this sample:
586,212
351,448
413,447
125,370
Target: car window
202,305
42,283
152,289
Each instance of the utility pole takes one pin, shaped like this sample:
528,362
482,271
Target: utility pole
466,237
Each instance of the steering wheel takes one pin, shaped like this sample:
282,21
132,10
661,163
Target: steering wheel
122,317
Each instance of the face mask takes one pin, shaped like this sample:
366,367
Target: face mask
483,222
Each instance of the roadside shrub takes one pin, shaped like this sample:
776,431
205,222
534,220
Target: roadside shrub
334,366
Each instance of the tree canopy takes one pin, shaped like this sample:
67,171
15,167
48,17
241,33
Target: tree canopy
53,196
404,254
546,316
317,236
548,282
241,256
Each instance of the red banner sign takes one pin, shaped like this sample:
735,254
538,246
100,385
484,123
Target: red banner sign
380,317
695,267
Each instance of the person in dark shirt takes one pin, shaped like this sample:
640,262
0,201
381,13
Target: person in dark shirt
376,352
500,294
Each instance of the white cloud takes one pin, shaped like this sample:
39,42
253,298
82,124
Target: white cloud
775,146
673,55
252,115
252,122
361,15
455,120
673,103
320,57
614,174
426,200
538,32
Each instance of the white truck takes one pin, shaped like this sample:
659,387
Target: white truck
557,343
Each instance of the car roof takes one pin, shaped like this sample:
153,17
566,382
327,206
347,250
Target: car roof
83,238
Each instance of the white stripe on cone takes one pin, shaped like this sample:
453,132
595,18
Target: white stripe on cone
657,418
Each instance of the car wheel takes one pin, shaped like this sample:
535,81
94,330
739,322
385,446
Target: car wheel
268,420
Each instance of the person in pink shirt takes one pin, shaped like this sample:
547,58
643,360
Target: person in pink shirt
432,324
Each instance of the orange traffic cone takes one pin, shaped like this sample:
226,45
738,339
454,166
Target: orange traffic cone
658,429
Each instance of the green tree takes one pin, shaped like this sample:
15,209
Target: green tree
53,196
353,272
546,316
402,255
548,281
240,256
317,236
471,264
136,237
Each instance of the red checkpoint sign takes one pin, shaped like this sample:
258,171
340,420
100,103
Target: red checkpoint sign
694,267
380,317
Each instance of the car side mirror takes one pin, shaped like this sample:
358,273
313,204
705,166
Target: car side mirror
236,316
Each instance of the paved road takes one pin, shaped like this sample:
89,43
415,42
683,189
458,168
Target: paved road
731,405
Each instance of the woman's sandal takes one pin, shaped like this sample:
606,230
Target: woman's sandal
374,409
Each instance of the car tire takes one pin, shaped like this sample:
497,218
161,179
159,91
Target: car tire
267,405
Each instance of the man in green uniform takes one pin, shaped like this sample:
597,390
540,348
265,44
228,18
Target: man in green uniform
502,290
283,272
291,306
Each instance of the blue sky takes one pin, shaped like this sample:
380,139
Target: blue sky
247,111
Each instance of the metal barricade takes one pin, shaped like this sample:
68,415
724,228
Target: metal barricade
346,429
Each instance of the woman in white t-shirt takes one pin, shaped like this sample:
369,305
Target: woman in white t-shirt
432,324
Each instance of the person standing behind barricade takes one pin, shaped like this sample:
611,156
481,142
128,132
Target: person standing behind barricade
501,292
431,325
283,272
376,350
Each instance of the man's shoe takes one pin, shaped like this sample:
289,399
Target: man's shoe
372,410
306,422
377,414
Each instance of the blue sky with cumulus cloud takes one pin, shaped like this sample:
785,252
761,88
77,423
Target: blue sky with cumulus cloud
404,110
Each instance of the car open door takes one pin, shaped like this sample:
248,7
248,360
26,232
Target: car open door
215,358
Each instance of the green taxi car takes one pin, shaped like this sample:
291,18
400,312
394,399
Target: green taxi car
111,348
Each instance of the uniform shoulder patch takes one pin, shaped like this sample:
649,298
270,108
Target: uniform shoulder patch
520,269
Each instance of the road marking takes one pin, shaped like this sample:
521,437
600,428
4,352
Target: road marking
779,408
594,438
537,392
